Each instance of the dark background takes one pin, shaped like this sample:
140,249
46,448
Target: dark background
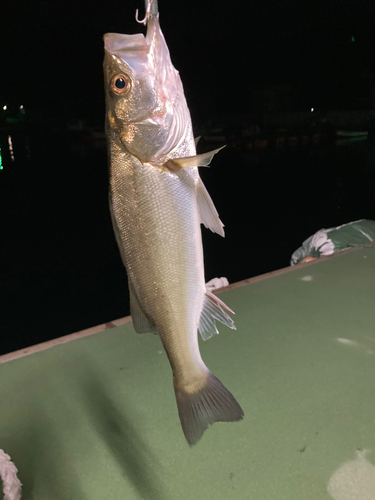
60,269
51,52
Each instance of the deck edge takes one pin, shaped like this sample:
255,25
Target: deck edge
287,269
4,358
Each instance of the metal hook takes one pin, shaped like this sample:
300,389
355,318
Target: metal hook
147,15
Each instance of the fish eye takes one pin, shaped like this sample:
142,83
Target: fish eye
120,84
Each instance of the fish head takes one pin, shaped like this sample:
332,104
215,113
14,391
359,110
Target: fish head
145,101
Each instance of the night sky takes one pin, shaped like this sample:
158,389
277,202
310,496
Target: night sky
51,52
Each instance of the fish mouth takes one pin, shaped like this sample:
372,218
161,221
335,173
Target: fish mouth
119,43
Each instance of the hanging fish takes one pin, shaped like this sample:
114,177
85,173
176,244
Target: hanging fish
157,203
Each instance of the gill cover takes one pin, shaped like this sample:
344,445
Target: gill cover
154,112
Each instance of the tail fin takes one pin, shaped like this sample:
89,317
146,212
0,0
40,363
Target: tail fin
211,403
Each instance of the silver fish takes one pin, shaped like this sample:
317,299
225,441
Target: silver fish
157,203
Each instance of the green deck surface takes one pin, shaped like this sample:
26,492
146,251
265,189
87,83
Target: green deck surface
96,418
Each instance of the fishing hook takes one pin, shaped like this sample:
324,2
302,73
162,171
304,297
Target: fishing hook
147,15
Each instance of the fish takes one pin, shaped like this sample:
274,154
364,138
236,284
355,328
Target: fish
157,202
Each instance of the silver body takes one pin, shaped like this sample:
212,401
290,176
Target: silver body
158,202
158,224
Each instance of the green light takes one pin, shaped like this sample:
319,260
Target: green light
353,39
1,161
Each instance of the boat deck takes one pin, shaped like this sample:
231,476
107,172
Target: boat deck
93,415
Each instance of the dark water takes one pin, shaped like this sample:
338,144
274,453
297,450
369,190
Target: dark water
60,269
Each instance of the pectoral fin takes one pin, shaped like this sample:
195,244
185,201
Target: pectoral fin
202,160
140,322
212,311
207,211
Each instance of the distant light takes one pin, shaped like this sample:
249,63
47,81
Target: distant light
10,148
21,107
353,39
312,110
5,107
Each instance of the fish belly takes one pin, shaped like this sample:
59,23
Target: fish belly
159,230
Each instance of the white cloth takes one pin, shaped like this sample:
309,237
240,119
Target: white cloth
216,283
8,474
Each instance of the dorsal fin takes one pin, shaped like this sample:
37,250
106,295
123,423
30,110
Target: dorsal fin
207,211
